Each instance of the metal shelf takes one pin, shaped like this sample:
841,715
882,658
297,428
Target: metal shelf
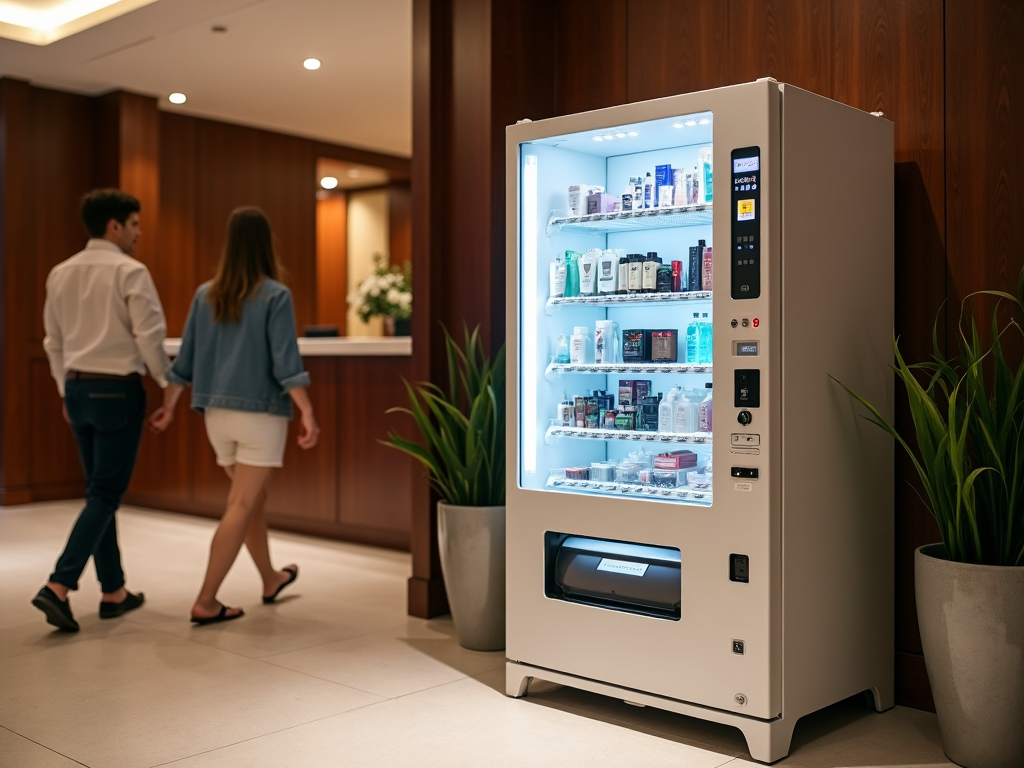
627,221
703,438
598,487
625,300
555,370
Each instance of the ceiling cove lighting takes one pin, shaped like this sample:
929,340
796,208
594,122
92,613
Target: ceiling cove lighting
690,123
311,63
353,174
633,133
328,182
27,22
703,121
598,138
177,98
677,125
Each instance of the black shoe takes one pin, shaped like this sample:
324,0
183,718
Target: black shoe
58,612
113,610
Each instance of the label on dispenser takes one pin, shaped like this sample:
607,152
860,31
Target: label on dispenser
622,566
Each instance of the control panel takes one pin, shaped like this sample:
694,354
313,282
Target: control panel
745,261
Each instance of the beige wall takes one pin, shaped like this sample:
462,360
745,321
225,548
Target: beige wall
367,234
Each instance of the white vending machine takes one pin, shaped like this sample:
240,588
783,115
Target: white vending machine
698,519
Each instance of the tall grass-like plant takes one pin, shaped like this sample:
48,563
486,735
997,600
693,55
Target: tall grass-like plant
968,419
463,429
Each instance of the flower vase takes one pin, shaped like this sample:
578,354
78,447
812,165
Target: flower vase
389,326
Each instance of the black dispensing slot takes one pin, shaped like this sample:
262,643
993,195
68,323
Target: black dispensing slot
615,575
745,243
747,388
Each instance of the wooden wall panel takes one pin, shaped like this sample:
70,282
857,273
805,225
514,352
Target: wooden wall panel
374,481
163,468
790,41
589,55
54,451
676,47
332,261
176,273
400,223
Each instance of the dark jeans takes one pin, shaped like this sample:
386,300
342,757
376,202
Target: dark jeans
107,417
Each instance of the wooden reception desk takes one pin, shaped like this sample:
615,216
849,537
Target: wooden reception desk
348,487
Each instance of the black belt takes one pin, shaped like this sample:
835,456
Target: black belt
112,376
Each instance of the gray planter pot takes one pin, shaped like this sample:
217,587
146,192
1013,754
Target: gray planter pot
472,545
972,631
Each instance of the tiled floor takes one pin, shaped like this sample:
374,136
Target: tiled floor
334,675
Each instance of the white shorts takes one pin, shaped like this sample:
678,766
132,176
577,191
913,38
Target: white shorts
246,437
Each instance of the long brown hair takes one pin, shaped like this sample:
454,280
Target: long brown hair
248,258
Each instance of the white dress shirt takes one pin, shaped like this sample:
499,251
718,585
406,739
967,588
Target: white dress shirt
103,315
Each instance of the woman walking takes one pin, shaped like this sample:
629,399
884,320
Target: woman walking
241,357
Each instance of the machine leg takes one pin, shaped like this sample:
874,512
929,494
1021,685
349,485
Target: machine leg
768,742
516,682
884,696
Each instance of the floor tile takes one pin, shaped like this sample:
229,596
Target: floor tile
19,752
465,723
177,698
411,657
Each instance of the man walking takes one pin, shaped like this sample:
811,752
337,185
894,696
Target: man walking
104,327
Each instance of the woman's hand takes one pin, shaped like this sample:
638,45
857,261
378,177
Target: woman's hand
310,430
163,416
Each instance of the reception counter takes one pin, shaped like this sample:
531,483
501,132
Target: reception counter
348,487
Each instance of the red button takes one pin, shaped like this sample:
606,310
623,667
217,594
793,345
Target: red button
756,322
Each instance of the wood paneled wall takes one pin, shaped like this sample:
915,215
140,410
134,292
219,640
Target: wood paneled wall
189,174
943,71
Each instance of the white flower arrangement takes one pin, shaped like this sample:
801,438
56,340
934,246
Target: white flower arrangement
387,292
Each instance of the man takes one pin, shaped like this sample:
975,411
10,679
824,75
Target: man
104,327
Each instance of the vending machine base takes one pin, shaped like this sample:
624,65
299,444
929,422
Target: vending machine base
767,740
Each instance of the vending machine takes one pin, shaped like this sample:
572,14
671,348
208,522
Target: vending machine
698,519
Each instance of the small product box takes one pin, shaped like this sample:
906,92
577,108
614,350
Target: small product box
668,478
636,346
679,196
577,473
662,178
628,474
592,418
665,346
578,194
676,460
626,418
632,391
581,411
599,202
648,415
707,271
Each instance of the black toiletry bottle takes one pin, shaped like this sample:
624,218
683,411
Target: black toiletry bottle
623,275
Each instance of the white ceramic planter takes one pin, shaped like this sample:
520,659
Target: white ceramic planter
972,631
472,547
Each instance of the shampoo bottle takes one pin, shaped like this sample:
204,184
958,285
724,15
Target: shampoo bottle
623,285
607,272
572,274
648,191
580,351
556,278
685,416
588,272
706,413
666,411
566,415
562,350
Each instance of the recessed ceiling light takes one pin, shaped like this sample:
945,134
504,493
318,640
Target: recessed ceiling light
353,174
598,138
620,135
311,63
677,125
690,123
176,98
608,137
633,133
703,121
328,182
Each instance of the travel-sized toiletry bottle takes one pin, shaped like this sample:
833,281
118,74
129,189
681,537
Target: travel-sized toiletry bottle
685,416
562,349
706,161
606,342
627,196
677,276
666,411
587,264
623,285
695,189
607,272
649,279
580,351
572,274
648,191
566,415
692,332
706,411
707,270
638,193
636,264
556,279
664,278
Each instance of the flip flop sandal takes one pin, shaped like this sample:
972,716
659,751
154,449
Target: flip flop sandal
294,575
222,616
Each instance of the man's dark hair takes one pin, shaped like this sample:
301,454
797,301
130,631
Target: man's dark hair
101,205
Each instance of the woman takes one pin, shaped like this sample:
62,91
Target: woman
240,355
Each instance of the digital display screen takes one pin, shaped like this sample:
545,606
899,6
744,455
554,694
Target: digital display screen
746,348
746,164
745,210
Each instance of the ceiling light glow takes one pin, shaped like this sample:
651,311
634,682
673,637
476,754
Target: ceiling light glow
690,123
633,133
57,19
328,182
703,121
311,63
620,135
598,138
677,125
608,137
177,98
353,174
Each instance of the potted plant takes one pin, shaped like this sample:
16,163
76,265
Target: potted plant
386,293
967,445
463,449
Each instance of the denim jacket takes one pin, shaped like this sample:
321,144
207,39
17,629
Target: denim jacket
245,366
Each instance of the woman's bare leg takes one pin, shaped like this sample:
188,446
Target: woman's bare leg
247,485
258,546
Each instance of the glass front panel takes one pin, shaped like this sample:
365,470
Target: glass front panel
616,321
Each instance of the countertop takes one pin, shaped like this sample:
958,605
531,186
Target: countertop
391,346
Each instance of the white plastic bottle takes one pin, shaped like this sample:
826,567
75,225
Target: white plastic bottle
556,278
706,409
666,411
685,417
588,272
580,349
648,191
